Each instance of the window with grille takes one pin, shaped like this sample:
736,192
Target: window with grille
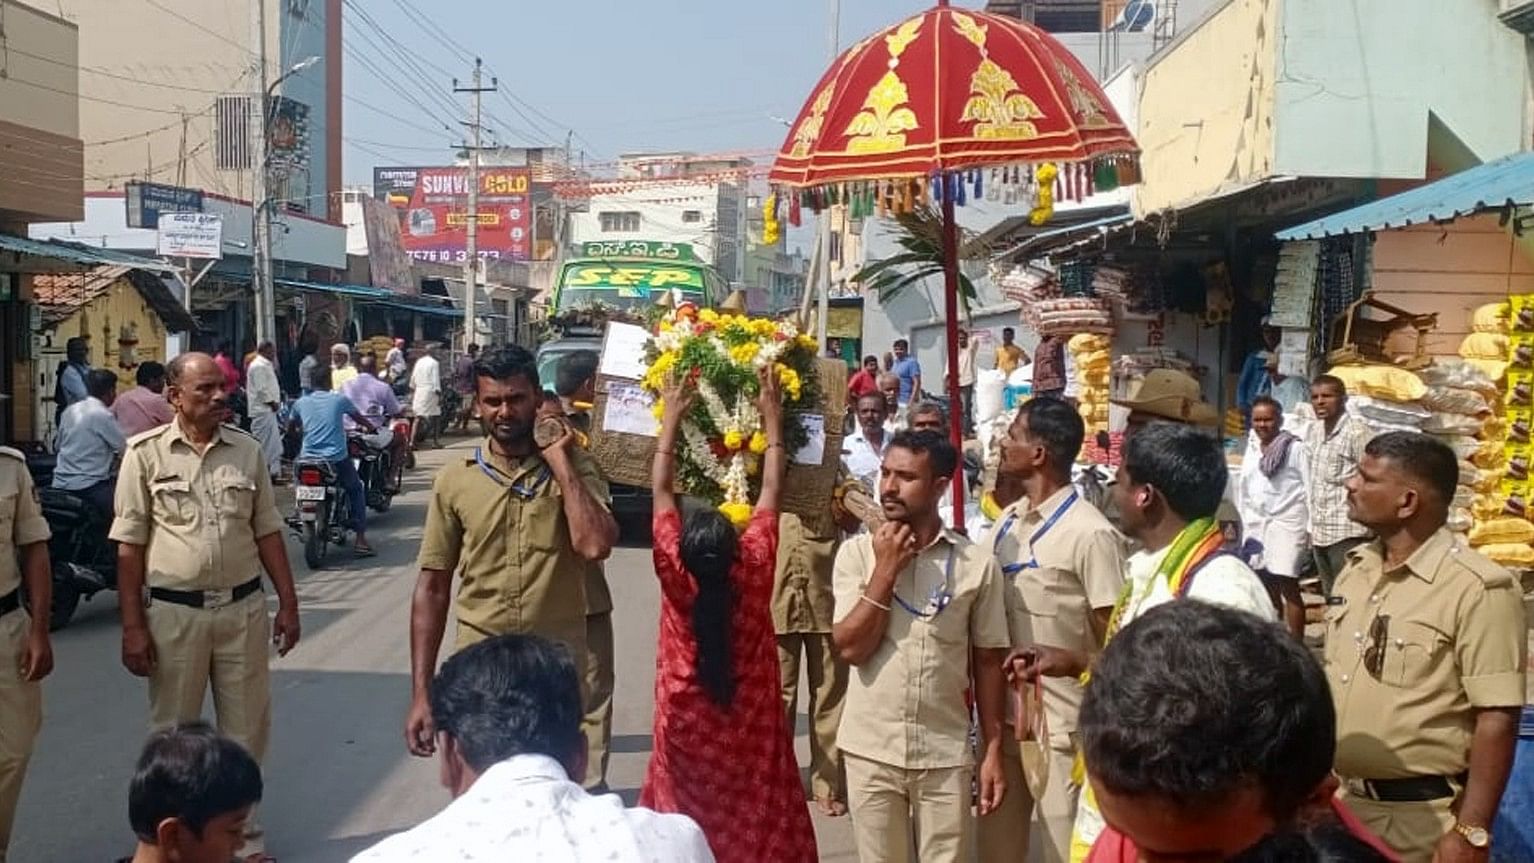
619,222
231,133
690,216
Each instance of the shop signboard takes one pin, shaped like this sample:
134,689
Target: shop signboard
190,235
638,249
147,201
632,280
432,204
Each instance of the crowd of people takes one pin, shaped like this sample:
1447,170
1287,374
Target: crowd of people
1057,681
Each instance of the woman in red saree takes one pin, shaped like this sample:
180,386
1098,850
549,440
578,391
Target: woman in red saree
723,753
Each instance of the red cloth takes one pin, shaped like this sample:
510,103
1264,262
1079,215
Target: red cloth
1114,847
231,373
861,384
732,771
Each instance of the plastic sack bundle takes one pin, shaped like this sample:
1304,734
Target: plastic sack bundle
1381,382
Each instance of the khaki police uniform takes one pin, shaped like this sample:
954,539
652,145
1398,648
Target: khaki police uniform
904,734
198,517
500,524
1060,561
1451,625
801,616
597,724
21,702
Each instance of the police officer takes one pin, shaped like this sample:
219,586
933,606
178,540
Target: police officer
1425,653
1064,569
517,523
802,606
26,656
196,524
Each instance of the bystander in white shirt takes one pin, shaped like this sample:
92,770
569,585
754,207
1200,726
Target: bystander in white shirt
526,808
1273,508
862,458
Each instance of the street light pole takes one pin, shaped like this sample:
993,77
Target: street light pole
260,197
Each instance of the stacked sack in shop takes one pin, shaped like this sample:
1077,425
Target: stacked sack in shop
1503,531
1388,398
1460,399
1090,355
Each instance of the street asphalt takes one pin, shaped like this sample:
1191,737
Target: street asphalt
338,777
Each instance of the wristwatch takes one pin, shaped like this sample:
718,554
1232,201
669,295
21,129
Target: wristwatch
1478,837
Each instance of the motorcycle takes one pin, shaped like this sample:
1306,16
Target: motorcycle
84,560
382,470
321,511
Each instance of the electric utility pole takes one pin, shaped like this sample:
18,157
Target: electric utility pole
471,261
261,224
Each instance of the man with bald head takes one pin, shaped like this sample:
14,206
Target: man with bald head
196,523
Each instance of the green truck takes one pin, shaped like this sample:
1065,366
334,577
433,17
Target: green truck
621,281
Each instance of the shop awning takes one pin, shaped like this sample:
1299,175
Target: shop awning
428,311
20,254
1506,181
363,291
1046,242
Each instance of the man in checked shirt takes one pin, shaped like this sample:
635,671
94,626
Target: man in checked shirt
1333,446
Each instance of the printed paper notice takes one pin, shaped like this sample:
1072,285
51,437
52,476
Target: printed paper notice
814,450
623,351
628,411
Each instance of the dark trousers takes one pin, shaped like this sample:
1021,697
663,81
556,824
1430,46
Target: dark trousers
1330,560
356,495
100,496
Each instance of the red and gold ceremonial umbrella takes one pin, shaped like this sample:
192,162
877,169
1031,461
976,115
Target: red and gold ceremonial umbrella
936,107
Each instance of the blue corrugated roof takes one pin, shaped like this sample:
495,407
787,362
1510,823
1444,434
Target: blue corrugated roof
421,309
1484,187
344,290
78,254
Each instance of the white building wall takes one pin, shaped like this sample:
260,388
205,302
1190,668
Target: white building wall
663,209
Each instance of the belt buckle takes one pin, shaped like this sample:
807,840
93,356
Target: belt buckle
216,599
1360,788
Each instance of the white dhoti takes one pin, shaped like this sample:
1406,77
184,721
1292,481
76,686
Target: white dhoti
426,403
263,426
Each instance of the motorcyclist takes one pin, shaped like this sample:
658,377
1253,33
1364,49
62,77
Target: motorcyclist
90,444
375,400
319,415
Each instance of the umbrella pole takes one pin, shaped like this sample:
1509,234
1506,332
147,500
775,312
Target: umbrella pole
951,320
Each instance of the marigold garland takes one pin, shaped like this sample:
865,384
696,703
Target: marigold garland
719,456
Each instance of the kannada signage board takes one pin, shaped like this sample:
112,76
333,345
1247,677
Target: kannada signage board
147,201
634,280
190,235
638,249
432,204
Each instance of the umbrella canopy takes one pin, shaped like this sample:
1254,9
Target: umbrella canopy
951,90
934,105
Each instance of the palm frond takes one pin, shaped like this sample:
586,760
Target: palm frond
919,234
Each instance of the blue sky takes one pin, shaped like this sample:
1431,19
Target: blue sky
653,75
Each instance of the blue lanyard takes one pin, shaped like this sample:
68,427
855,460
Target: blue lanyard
1013,569
940,596
526,492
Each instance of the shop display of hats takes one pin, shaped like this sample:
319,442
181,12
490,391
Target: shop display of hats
1171,394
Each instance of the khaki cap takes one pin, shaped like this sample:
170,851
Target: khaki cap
1171,394
735,303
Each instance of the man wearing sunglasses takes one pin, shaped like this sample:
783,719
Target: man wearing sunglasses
1063,564
917,607
1425,653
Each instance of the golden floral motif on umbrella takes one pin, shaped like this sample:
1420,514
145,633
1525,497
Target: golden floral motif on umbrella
1084,103
997,106
809,129
881,126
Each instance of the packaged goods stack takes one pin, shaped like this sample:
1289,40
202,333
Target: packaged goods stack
1094,368
1503,530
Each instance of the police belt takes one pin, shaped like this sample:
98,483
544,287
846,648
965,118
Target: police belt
209,599
10,602
1414,789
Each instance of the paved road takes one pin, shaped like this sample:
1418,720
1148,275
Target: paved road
338,777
